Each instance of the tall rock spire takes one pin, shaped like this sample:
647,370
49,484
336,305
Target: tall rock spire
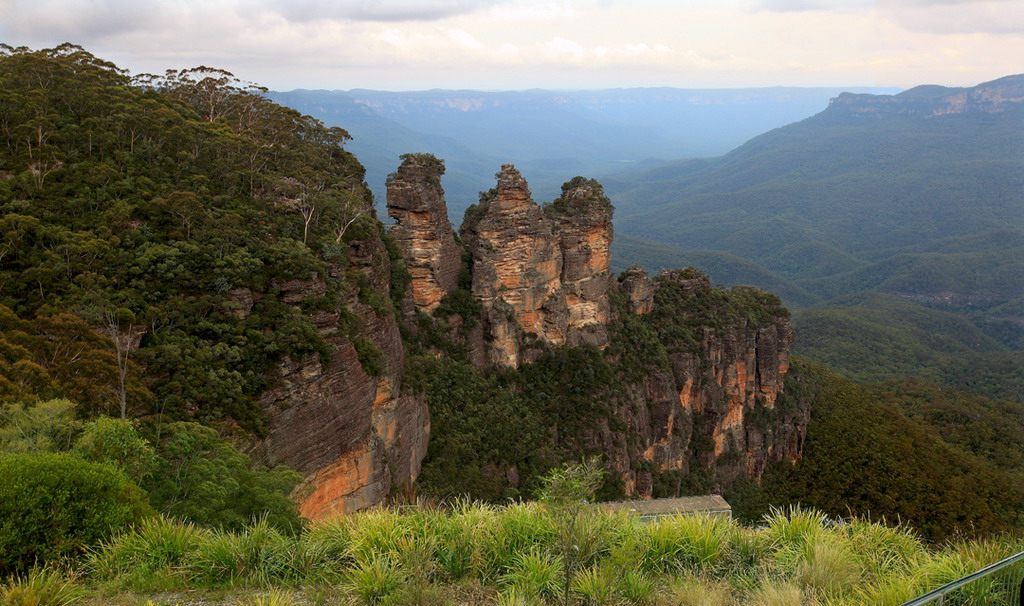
422,231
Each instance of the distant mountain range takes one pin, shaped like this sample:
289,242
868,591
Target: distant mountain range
878,216
919,194
550,134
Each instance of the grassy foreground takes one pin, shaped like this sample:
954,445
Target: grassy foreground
478,554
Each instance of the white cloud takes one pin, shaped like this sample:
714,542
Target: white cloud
465,39
375,10
527,43
956,16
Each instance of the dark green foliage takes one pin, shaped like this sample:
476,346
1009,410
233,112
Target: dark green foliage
60,356
200,477
572,388
866,457
175,200
578,205
871,337
479,429
54,506
990,429
685,305
635,345
460,302
115,443
371,358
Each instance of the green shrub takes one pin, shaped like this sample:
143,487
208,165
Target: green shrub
55,505
200,477
115,442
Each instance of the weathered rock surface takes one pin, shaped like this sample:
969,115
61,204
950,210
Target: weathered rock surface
517,270
582,219
541,277
723,393
540,274
352,435
422,231
639,288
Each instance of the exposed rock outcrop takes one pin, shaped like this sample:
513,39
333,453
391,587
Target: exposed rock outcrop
639,289
582,219
354,436
517,269
997,96
541,275
422,231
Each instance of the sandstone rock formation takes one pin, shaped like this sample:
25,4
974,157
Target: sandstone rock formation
354,436
639,289
540,274
517,269
541,277
719,398
422,231
582,219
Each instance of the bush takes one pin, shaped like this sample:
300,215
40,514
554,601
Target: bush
55,505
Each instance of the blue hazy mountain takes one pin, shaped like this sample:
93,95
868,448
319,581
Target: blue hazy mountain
551,136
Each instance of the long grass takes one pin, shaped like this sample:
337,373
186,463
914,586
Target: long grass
423,556
41,587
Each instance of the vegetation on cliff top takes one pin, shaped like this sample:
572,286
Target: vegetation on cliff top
171,212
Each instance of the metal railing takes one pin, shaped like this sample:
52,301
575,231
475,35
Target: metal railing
1001,584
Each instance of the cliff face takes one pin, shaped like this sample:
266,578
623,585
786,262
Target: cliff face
582,220
354,436
927,101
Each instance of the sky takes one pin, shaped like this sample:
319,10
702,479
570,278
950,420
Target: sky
520,44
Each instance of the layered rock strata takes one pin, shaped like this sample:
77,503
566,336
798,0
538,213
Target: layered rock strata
422,231
717,399
354,436
582,220
541,275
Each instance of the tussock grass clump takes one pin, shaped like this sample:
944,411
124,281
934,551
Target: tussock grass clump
151,558
513,555
594,587
828,568
41,587
374,580
536,574
697,543
690,591
259,556
776,594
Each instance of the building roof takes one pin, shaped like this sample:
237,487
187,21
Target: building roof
654,507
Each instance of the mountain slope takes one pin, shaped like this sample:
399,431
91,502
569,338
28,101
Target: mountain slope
850,186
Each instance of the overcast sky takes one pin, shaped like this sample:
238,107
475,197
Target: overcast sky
519,44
